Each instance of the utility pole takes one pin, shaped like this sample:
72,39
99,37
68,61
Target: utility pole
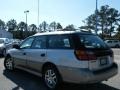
26,12
38,16
96,13
26,34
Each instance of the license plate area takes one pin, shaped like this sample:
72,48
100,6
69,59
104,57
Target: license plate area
103,61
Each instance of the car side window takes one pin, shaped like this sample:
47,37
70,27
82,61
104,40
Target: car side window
39,43
59,42
27,43
109,41
116,41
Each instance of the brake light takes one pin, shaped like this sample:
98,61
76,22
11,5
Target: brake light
84,55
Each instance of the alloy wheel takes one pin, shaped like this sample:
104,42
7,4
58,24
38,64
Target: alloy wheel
50,78
9,64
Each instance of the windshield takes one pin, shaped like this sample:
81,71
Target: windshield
1,41
92,41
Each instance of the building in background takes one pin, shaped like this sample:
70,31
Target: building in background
5,34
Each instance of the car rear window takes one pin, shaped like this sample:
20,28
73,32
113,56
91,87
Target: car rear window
92,41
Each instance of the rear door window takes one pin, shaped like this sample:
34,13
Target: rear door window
59,42
116,41
109,41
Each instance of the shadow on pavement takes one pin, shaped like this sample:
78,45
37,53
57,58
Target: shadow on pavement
1,56
87,87
24,80
28,81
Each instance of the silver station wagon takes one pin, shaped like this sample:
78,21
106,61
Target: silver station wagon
63,56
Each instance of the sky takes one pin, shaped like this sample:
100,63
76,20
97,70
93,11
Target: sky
64,11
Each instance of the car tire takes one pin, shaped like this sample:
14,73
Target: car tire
8,64
51,78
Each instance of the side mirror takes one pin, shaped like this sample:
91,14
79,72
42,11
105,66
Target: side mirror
16,46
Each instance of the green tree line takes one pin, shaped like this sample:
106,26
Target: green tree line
108,25
22,30
108,22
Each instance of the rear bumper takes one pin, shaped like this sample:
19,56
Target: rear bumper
85,76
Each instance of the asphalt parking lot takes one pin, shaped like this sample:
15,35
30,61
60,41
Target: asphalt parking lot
21,80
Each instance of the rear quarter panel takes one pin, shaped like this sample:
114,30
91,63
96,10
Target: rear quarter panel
65,58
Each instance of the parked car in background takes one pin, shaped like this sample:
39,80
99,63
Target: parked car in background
16,41
76,57
5,44
113,43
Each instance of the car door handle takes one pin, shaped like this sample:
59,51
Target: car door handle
24,53
42,55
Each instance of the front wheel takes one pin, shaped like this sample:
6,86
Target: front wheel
8,63
51,77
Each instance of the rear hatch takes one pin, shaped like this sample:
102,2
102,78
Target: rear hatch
93,50
104,59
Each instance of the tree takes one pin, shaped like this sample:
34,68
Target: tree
40,28
113,19
103,15
59,26
107,20
22,26
44,26
11,25
90,22
21,30
118,33
32,30
70,28
2,25
33,27
53,26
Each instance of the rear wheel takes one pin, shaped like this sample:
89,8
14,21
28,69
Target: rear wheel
51,77
8,63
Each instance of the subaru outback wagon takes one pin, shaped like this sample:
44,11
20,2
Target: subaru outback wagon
69,56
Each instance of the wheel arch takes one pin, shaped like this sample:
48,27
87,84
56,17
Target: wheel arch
8,55
51,64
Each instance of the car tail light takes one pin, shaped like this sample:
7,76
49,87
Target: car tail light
85,55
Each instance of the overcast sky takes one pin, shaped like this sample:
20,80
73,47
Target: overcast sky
63,11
